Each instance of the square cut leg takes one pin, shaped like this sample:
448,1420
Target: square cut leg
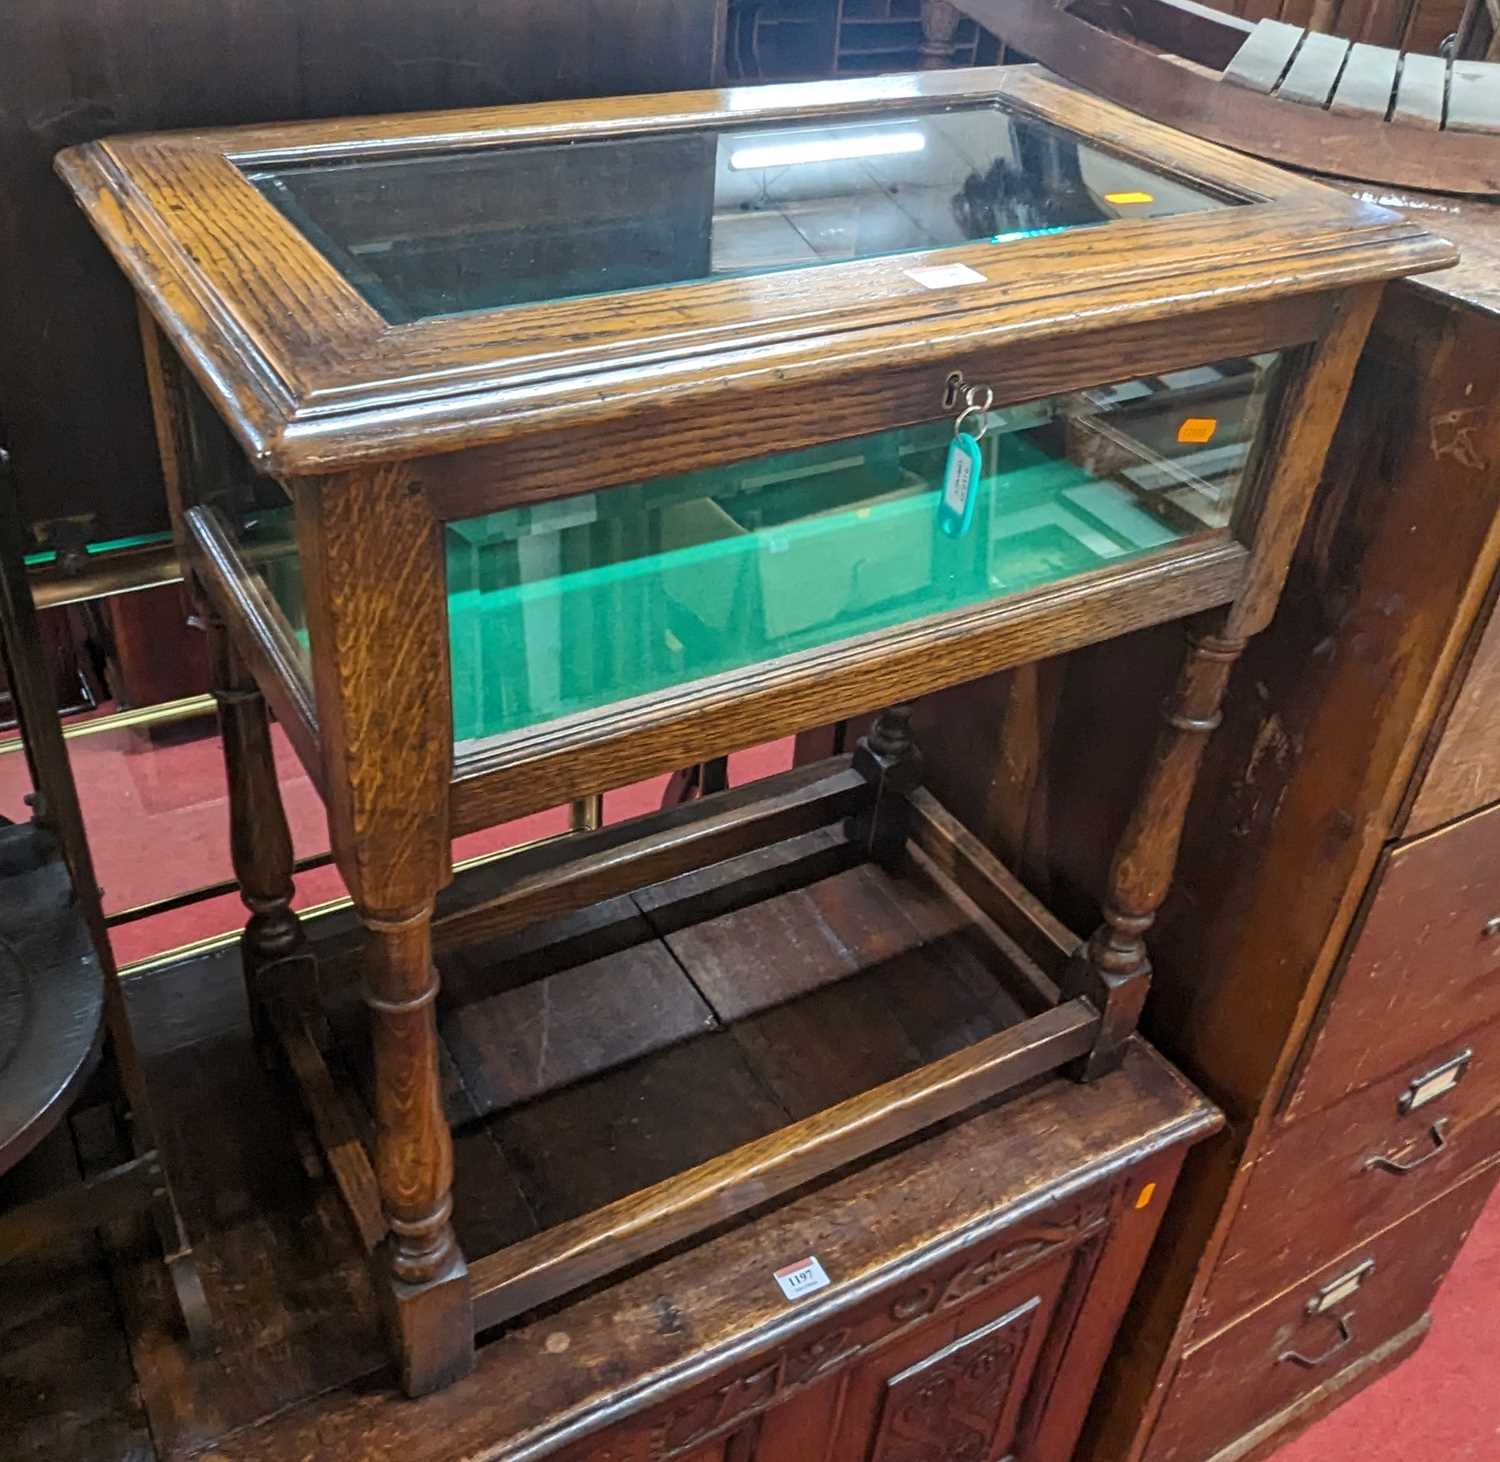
430,1325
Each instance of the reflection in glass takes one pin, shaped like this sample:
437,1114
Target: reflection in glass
575,604
265,538
491,227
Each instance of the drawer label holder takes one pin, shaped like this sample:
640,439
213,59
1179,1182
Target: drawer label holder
1437,1082
1323,1304
1336,1291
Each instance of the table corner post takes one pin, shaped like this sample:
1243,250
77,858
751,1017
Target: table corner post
260,841
423,1283
373,551
1113,970
889,760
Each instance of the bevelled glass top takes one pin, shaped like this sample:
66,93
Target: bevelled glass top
443,233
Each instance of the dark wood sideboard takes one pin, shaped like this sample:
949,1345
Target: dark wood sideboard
976,1281
1326,967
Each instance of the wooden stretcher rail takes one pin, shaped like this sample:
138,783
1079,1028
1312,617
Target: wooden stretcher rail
567,874
335,1129
672,853
595,875
1028,983
982,877
575,1253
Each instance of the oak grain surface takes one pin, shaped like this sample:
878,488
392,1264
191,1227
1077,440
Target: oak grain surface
694,1307
311,379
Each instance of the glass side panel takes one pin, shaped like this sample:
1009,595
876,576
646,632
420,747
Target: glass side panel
448,232
267,541
250,509
575,604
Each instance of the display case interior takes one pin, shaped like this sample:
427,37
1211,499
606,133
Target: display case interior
422,237
574,606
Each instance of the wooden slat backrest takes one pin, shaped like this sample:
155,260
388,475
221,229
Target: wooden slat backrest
1262,61
1419,91
1315,69
1368,82
1474,97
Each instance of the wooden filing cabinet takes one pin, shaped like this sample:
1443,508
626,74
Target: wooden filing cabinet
1421,970
1358,1167
1366,1302
1329,971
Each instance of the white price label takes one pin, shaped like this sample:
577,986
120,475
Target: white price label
801,1278
945,276
959,476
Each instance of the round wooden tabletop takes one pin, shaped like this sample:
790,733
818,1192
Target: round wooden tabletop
51,1000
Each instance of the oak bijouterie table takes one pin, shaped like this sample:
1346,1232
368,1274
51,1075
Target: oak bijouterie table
522,454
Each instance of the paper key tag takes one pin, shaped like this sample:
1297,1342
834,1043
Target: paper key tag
801,1278
960,486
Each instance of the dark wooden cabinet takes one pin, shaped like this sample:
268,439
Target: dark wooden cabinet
1368,1302
975,1282
1327,965
950,1385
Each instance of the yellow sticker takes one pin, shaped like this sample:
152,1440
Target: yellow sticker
1146,1195
1129,198
1197,430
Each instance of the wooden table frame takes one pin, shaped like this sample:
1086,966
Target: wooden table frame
381,434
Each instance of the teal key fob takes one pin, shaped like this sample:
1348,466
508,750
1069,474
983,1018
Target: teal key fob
960,485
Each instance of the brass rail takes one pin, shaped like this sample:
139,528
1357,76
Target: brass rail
158,715
211,942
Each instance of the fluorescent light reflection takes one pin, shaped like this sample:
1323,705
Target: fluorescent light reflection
827,149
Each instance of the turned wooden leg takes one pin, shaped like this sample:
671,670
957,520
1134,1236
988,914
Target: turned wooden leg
940,20
426,1289
888,759
260,844
1114,969
374,565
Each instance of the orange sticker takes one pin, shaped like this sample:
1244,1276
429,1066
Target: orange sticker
1129,198
1146,1195
1197,430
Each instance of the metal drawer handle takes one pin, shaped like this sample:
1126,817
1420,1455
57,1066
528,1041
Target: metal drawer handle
1392,1165
1345,1325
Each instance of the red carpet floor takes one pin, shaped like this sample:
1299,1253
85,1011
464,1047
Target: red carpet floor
157,822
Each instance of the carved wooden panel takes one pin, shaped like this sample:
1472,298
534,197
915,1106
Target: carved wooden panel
948,1407
905,1316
